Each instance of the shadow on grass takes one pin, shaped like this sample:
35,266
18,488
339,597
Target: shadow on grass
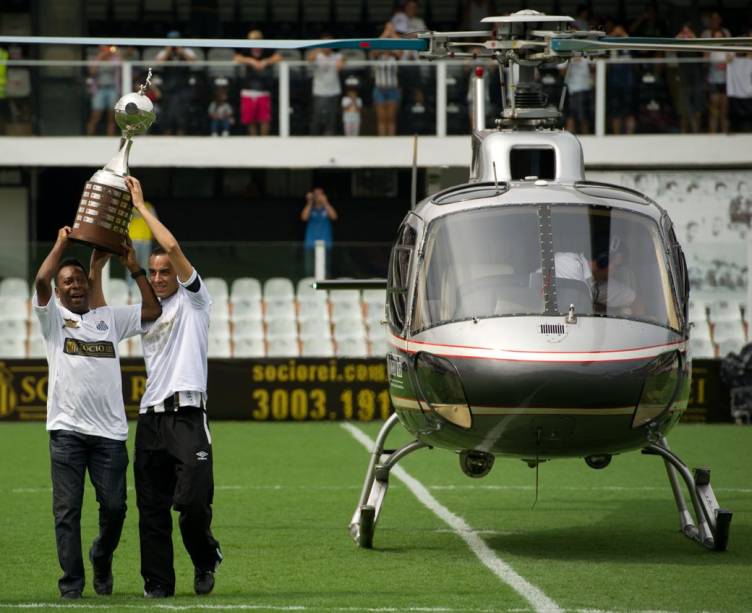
631,535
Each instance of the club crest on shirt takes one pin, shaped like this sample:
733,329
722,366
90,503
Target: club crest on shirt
70,323
102,326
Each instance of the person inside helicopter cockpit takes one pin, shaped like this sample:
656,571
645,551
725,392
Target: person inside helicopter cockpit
605,274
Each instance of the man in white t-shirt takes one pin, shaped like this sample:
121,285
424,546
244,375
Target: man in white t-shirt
326,90
85,412
173,456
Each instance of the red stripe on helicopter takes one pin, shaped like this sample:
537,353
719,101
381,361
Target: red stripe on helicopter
516,355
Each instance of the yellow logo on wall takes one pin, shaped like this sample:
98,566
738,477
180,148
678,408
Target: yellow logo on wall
7,393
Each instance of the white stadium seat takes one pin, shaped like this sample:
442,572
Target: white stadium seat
725,309
12,347
13,328
376,333
729,346
245,289
282,347
697,311
220,310
282,328
700,330
219,347
375,300
379,348
318,348
249,348
344,295
217,288
313,310
278,287
349,329
284,310
701,348
306,293
352,347
314,328
248,328
728,330
37,347
346,310
13,307
219,328
242,311
15,288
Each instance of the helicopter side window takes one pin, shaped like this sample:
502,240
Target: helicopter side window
397,283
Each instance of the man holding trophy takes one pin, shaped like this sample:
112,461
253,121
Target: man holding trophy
85,412
173,456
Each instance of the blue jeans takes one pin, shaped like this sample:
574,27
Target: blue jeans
71,454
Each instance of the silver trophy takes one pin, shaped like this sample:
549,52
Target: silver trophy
105,209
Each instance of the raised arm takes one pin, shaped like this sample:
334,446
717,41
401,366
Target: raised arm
162,235
306,212
96,265
43,281
151,308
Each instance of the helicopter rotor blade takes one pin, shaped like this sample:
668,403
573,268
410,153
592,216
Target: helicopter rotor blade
649,44
401,44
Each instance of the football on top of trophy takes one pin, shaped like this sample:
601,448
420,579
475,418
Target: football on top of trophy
134,113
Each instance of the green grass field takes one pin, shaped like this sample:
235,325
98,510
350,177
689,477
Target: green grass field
595,540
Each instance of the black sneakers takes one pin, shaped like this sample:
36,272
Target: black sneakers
203,581
102,576
71,595
156,591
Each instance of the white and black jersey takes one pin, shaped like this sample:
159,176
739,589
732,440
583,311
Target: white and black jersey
175,347
85,392
385,73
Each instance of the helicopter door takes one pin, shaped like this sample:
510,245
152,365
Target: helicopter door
398,278
679,265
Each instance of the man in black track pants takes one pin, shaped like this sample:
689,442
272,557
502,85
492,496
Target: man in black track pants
173,455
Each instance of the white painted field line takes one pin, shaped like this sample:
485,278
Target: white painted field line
539,601
249,607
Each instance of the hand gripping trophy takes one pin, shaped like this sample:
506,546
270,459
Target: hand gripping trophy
105,209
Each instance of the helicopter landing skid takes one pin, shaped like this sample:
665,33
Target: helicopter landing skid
712,522
363,523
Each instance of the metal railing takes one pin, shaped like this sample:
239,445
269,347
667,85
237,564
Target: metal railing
434,94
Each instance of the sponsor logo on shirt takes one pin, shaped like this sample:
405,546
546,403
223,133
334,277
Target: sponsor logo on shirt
102,326
70,323
98,349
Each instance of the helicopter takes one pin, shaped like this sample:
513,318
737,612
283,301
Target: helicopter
531,313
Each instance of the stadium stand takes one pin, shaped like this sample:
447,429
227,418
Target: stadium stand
701,348
317,348
281,347
14,288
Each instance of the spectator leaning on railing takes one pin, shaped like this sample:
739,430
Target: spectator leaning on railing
256,95
176,88
326,89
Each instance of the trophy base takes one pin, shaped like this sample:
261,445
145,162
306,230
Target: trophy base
104,213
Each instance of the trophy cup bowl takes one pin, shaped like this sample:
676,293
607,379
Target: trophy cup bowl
105,209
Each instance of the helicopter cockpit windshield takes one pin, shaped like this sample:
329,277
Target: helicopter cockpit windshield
540,260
